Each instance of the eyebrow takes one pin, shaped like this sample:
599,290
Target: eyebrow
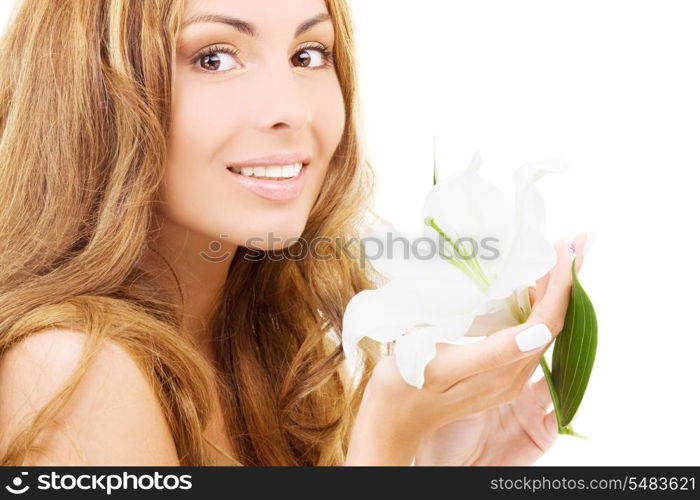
247,28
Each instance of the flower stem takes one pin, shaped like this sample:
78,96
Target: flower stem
567,429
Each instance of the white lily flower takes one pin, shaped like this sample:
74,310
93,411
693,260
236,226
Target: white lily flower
428,301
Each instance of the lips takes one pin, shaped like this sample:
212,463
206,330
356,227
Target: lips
284,189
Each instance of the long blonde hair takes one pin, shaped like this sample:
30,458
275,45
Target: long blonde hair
85,96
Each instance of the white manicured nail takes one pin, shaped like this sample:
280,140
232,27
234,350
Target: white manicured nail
533,337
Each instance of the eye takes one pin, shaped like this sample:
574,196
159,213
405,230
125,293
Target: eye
314,56
210,60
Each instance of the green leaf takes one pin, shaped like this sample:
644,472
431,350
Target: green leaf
574,352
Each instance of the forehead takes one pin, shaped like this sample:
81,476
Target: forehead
272,14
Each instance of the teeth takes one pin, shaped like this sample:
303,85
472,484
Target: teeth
290,170
270,172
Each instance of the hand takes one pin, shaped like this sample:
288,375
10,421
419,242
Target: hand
394,417
515,433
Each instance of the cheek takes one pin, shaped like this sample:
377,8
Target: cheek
193,193
328,124
328,118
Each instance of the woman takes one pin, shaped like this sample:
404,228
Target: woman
151,312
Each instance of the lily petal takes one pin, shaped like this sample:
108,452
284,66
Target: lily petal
386,313
503,317
529,204
529,258
465,205
531,255
415,349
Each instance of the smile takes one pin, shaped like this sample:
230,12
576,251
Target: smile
270,172
273,182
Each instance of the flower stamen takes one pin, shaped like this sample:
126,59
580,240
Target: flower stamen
466,262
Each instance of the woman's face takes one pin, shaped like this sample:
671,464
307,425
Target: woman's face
262,87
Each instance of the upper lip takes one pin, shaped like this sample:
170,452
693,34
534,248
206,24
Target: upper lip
274,159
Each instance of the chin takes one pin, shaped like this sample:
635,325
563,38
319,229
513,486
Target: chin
274,239
270,233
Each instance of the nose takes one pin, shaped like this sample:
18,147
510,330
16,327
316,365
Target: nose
282,102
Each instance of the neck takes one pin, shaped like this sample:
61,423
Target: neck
201,265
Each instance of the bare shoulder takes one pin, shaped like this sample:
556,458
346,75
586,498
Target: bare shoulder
112,418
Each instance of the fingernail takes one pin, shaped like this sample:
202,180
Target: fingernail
567,242
533,337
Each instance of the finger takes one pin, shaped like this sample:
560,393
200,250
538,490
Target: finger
551,310
454,362
530,365
578,244
532,295
541,287
551,425
540,390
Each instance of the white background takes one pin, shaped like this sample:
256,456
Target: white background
613,88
